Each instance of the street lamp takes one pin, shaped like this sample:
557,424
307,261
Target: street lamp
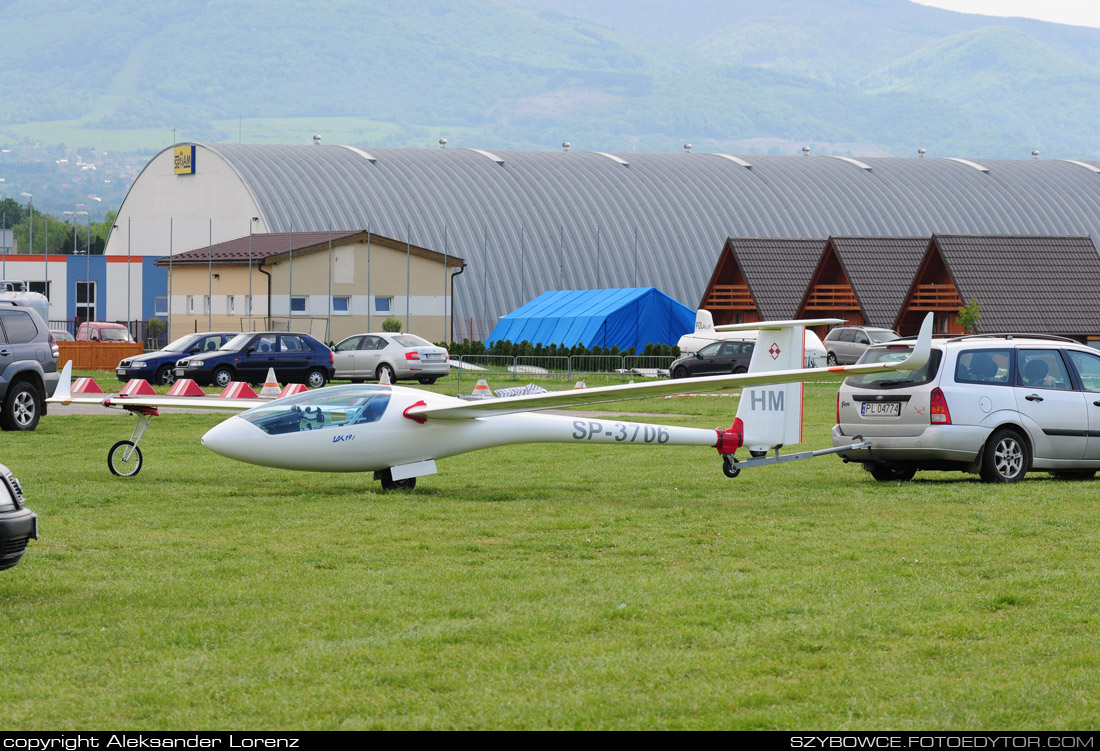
251,222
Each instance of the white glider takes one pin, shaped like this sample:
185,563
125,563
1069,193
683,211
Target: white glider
398,433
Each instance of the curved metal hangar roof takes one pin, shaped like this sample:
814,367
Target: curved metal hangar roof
531,221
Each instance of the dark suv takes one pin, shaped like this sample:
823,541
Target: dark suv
28,366
296,358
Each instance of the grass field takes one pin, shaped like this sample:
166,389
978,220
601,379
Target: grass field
543,586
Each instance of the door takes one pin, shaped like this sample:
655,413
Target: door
1054,412
1087,366
345,358
369,356
295,357
259,355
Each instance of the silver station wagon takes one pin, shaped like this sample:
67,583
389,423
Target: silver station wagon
998,405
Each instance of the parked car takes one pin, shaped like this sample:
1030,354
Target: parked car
160,366
846,344
62,335
400,356
28,367
98,331
296,358
18,524
717,358
997,405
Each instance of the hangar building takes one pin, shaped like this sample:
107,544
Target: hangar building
527,222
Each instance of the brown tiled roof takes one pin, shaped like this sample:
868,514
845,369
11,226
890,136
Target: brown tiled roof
267,244
1038,284
881,271
777,271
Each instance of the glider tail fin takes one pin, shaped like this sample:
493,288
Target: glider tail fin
771,416
704,322
63,391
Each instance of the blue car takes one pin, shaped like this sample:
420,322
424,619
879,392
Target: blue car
296,358
160,366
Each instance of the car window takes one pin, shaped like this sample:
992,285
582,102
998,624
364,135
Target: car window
711,349
878,337
265,343
373,343
729,349
351,343
411,340
114,335
1088,367
1042,369
209,343
861,338
292,343
992,366
889,379
20,327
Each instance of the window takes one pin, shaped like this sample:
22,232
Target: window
160,304
19,326
341,304
191,304
231,304
383,304
85,300
1088,367
41,288
297,304
1043,369
992,366
291,343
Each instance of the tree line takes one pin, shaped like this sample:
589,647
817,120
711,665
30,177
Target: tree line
52,234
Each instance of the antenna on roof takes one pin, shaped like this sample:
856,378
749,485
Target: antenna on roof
805,151
921,152
1035,154
442,143
687,148
316,140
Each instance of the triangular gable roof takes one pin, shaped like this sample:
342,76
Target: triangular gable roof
777,271
881,272
1026,283
274,244
630,317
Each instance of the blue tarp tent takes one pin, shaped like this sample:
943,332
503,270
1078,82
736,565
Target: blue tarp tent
620,318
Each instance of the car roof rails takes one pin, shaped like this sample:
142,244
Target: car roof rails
1009,335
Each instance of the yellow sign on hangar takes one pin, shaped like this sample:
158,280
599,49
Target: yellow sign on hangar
184,160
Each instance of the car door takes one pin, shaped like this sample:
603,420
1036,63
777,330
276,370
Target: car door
1087,366
295,357
370,354
345,357
258,355
1053,411
708,361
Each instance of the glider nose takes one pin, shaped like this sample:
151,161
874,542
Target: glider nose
231,438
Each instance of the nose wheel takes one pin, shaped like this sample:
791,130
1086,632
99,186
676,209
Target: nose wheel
729,466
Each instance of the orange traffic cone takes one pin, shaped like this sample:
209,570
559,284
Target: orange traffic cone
482,390
271,386
580,385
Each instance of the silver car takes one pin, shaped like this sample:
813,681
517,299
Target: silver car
995,405
400,356
846,344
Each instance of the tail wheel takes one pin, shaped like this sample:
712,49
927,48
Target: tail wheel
1006,457
729,466
124,459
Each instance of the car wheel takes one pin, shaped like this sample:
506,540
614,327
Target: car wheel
890,472
679,372
315,379
1006,457
386,368
223,377
426,381
739,370
166,376
22,407
1075,474
830,359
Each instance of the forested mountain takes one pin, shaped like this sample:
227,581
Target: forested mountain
847,77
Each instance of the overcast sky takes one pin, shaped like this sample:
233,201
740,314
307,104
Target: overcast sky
1075,12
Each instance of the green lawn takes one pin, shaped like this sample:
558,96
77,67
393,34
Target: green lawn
544,586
